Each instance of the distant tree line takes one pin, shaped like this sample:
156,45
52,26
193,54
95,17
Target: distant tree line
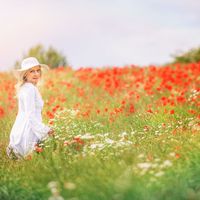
191,56
54,59
49,56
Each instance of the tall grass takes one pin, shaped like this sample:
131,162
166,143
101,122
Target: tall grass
103,147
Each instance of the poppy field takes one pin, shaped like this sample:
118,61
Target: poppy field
121,133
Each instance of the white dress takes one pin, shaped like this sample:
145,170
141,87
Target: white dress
28,128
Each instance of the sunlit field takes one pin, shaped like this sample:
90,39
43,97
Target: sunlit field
121,133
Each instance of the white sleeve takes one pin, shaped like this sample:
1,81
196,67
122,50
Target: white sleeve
38,128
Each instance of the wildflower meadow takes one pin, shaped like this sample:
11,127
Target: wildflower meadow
121,133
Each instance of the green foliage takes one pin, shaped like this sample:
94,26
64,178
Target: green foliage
191,56
141,155
49,56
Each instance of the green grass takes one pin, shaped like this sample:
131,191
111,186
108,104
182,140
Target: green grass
133,156
109,173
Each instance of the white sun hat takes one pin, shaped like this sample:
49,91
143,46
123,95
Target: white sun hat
30,62
27,64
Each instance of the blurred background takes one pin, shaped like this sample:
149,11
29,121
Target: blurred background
93,33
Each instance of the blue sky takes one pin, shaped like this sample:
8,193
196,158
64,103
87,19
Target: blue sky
95,33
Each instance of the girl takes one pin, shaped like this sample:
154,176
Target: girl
28,128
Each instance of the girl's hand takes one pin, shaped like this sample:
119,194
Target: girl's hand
51,132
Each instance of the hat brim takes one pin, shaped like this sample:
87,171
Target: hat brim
43,66
19,72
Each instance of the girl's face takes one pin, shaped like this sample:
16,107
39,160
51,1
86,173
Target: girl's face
33,75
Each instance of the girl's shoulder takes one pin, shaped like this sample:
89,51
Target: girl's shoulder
27,87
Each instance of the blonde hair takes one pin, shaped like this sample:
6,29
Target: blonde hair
21,79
